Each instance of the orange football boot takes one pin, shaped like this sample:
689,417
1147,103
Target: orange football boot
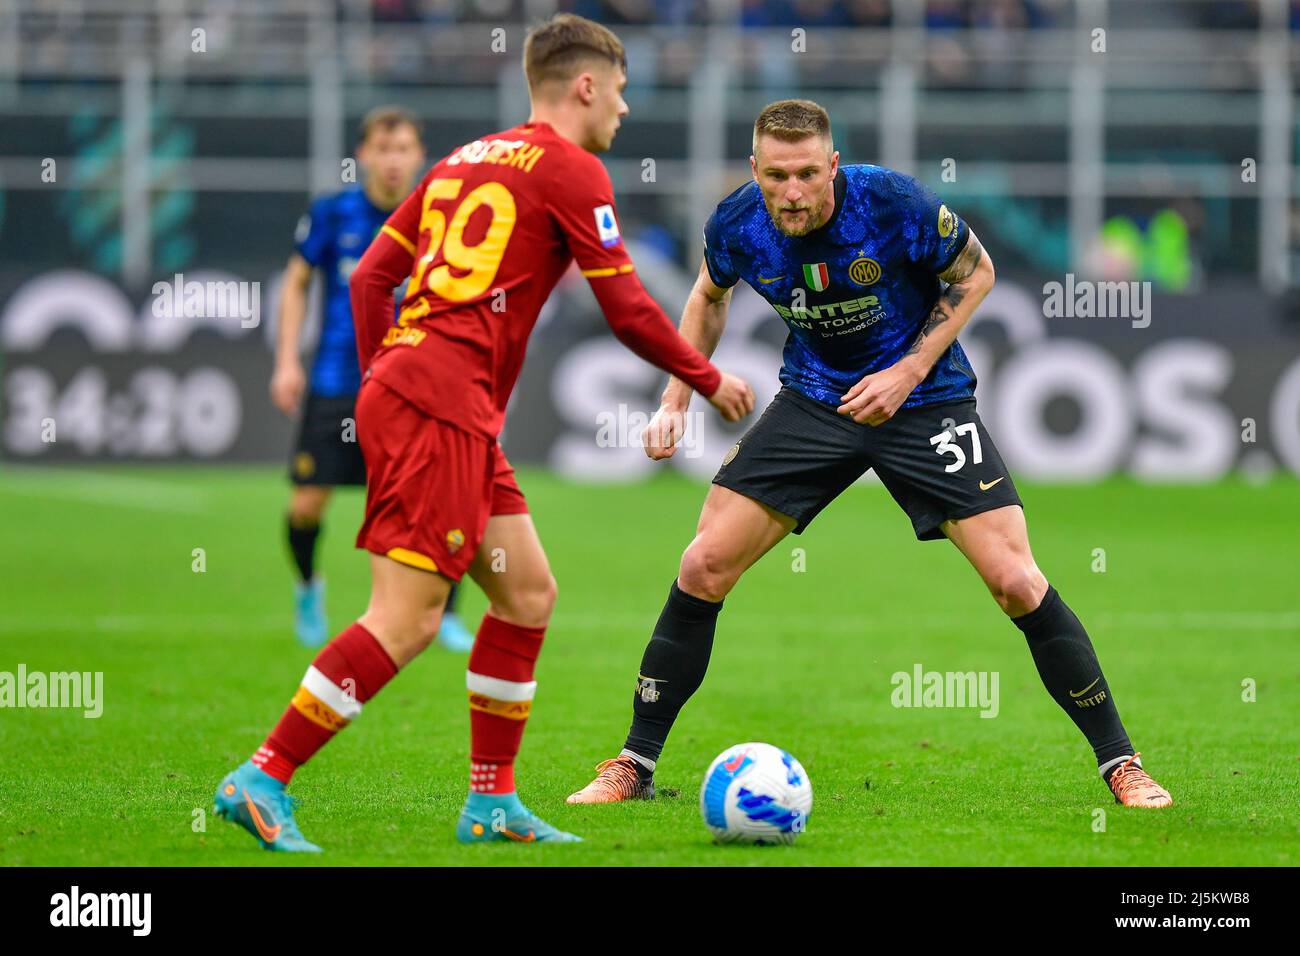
616,780
1133,787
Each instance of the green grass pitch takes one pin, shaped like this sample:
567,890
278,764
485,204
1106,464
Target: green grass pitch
1198,596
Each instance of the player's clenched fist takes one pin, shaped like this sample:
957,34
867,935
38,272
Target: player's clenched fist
734,398
665,430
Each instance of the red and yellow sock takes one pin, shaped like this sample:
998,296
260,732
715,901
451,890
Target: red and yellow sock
501,688
347,672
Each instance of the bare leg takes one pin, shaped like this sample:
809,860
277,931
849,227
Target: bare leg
307,503
512,570
996,543
733,533
405,607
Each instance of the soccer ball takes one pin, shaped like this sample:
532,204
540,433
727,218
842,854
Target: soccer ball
755,793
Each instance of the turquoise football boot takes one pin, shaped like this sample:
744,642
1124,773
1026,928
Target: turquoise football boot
309,612
501,816
454,635
258,802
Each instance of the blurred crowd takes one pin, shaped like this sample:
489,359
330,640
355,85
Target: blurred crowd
986,44
752,13
938,14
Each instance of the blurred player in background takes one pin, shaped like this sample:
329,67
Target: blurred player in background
332,237
484,239
874,277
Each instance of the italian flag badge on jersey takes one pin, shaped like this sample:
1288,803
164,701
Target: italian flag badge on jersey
816,276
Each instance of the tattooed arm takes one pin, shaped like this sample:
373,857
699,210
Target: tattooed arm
969,279
877,397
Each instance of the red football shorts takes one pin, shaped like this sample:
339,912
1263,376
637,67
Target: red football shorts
430,487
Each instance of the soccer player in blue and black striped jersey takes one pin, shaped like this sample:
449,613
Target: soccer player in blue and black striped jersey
331,238
874,277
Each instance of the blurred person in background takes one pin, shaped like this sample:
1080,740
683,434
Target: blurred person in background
332,237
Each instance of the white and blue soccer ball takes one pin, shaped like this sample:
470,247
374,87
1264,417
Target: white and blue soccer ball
756,793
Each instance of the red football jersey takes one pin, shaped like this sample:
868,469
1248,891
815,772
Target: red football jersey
492,227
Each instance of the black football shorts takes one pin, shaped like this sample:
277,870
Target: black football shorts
327,452
937,461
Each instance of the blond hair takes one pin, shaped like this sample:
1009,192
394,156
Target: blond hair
791,121
558,48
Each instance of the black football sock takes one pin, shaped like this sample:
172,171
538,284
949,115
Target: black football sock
302,544
672,669
1069,669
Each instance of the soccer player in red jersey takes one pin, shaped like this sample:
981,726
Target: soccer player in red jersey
484,238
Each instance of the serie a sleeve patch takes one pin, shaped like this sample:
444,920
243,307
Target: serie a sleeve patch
606,225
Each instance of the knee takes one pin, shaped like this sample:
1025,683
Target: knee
706,571
416,631
306,508
528,603
403,633
1018,587
424,629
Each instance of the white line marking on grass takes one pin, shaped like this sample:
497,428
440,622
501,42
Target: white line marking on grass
846,623
104,488
624,621
186,624
1203,620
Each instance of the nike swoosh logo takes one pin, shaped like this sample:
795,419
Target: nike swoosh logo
519,837
986,487
269,834
769,281
1085,690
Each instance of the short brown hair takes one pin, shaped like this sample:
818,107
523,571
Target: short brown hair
554,50
791,121
387,118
